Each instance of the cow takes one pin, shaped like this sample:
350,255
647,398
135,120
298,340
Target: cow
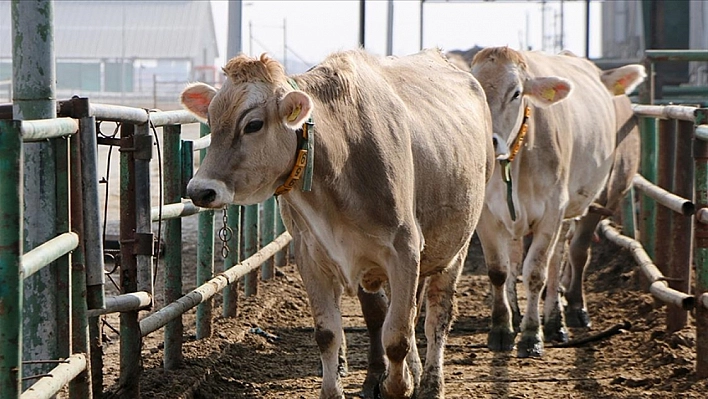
555,137
400,151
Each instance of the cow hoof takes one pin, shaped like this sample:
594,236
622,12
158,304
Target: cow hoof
501,340
431,387
530,346
577,318
370,388
559,334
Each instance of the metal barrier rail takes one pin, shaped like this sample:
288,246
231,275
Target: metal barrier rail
50,385
670,200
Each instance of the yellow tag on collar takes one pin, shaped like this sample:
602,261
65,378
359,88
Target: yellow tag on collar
293,115
549,94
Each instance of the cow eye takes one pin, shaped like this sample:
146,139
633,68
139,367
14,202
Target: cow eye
253,126
516,95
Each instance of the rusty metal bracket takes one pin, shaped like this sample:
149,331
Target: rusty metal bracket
140,146
142,244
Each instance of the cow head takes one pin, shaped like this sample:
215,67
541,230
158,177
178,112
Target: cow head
509,87
253,120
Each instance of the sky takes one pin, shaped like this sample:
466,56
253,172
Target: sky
311,29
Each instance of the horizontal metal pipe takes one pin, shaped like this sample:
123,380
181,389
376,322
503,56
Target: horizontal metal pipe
48,252
702,132
178,117
201,143
43,129
702,215
123,303
172,211
118,113
661,291
680,112
658,286
48,386
668,199
676,55
703,300
207,290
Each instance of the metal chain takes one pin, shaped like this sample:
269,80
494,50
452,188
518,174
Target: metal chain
225,234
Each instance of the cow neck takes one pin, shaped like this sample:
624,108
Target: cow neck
304,156
506,163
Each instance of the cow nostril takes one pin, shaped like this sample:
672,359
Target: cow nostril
204,197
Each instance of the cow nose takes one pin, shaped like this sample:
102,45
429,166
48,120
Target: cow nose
202,197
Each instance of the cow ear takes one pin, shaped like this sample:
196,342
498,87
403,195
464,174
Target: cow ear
295,108
547,90
196,99
623,80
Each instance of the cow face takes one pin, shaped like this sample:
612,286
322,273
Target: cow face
253,142
509,88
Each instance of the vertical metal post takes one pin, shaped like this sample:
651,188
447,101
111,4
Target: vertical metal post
389,29
250,237
233,215
80,387
205,258
648,169
682,227
130,336
700,250
142,155
362,23
665,168
10,259
34,97
281,258
173,248
63,264
267,234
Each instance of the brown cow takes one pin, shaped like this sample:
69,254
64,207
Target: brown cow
556,151
402,152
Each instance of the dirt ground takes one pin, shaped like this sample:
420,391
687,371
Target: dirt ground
642,361
241,361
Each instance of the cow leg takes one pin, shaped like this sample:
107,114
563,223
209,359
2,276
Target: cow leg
398,329
534,276
554,328
518,251
495,246
576,313
440,312
323,295
373,306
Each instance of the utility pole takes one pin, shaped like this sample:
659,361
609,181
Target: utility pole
389,29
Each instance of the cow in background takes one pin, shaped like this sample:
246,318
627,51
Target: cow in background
556,152
402,153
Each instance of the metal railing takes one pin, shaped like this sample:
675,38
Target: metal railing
83,237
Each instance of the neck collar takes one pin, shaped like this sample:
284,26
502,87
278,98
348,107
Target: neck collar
519,140
304,156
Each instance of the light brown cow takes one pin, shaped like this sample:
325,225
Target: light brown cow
556,150
402,153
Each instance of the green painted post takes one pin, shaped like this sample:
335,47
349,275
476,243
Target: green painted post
172,358
10,255
233,221
281,258
250,237
700,249
267,235
648,169
205,255
130,336
80,387
34,97
63,264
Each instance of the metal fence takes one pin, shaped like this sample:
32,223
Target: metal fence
79,249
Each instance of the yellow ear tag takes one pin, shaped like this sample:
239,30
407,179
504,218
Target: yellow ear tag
549,94
293,115
619,88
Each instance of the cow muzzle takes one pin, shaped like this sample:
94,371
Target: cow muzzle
501,149
208,193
